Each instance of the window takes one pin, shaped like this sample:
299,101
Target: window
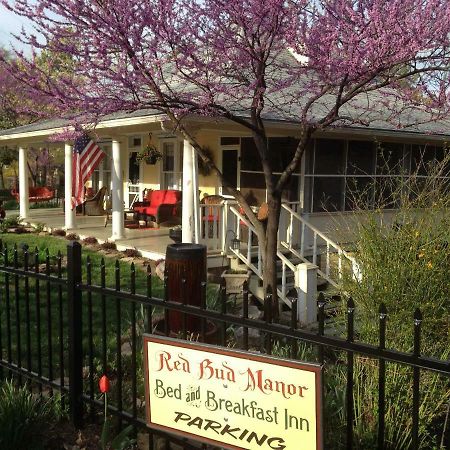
172,165
252,181
345,175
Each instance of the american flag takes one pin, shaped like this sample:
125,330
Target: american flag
87,155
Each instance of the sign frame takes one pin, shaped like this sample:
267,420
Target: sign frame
240,354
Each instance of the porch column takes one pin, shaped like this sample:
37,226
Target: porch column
188,220
68,177
196,196
118,223
24,210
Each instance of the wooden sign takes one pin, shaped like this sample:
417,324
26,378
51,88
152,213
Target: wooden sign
232,399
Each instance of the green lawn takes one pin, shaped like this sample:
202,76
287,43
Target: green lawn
48,311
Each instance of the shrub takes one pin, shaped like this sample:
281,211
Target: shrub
90,240
58,232
39,227
23,418
108,246
72,237
10,222
11,205
404,257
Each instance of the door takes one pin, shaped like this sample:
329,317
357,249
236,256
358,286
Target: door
229,168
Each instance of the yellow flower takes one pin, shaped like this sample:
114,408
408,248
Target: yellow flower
420,255
429,265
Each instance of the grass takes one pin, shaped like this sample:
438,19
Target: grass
43,305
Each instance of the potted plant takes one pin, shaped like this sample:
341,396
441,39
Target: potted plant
234,280
150,155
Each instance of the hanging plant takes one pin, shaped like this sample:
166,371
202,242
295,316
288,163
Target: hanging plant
149,155
204,168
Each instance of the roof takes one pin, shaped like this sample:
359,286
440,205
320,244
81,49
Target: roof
374,109
58,124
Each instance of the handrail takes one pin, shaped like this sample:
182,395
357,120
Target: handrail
317,231
331,247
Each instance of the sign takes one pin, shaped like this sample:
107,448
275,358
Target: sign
232,399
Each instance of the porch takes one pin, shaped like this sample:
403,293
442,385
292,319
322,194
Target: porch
150,242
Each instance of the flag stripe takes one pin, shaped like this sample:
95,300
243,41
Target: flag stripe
87,155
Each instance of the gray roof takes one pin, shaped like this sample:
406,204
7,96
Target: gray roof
50,124
374,109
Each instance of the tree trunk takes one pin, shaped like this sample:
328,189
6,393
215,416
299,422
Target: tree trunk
271,243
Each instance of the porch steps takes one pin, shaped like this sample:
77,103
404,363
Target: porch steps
256,284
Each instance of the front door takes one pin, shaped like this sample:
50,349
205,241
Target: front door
133,183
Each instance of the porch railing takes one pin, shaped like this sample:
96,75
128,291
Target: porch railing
304,241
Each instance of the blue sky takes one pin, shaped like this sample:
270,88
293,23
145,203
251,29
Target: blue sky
10,23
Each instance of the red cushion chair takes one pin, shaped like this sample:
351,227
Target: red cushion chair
159,206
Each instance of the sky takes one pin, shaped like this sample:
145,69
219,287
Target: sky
10,23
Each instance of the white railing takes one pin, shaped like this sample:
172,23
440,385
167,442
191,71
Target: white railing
305,241
249,252
211,231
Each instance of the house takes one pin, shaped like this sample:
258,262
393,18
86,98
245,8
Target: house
338,162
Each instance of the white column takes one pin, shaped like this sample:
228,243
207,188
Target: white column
118,231
23,184
187,218
196,196
68,177
306,285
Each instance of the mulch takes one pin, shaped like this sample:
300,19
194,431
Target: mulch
63,436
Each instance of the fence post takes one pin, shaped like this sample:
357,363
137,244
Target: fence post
75,333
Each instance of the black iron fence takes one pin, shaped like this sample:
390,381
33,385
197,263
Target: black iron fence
64,322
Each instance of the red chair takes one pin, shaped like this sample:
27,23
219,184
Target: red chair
159,206
37,194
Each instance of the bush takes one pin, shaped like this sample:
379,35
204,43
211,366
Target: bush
10,222
404,257
72,237
11,205
23,418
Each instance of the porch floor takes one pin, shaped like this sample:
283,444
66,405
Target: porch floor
150,242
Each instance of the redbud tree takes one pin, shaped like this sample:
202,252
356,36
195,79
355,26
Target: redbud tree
226,60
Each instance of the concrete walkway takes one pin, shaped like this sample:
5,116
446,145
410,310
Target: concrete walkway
151,243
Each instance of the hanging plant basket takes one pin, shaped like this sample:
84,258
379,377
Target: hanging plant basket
151,160
150,155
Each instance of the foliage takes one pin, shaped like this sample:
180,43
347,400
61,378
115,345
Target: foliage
39,227
149,153
8,156
10,222
122,441
228,60
403,255
23,418
72,237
